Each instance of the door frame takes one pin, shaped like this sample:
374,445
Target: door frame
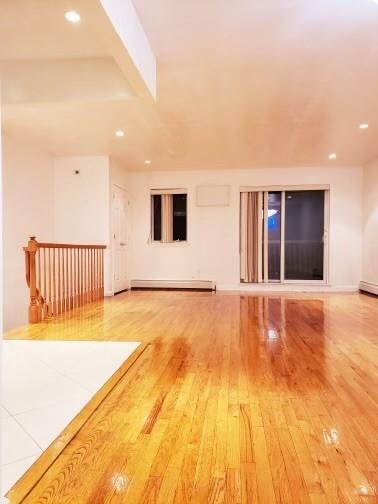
118,187
264,190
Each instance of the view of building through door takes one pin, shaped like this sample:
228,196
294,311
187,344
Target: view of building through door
120,242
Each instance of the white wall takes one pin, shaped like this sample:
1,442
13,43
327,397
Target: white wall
370,224
212,252
1,230
27,211
81,203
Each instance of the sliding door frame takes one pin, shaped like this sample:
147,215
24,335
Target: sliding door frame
263,193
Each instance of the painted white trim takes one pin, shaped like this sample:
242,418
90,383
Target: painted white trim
282,237
277,287
266,237
157,192
260,210
173,284
280,188
108,293
178,243
114,188
369,287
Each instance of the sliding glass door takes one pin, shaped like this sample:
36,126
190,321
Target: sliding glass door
288,240
274,236
304,232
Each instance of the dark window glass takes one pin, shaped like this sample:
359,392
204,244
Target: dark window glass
156,215
304,229
274,236
179,217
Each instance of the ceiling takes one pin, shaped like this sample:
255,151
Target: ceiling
252,83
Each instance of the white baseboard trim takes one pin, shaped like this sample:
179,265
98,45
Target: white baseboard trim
108,293
271,288
369,287
172,284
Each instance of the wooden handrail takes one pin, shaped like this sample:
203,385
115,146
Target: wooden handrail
69,246
62,276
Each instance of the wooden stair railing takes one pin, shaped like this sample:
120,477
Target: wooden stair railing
62,276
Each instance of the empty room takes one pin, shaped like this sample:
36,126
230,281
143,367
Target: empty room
189,264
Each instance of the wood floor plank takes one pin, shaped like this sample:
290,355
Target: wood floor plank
235,399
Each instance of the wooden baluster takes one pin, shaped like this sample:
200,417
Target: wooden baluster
92,273
75,278
102,273
39,281
66,270
63,282
59,300
60,280
88,276
82,265
55,308
71,281
84,259
34,307
97,274
44,284
49,308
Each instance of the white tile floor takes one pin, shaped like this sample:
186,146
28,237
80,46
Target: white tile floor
44,386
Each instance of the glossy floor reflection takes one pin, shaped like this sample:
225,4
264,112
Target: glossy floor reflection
236,398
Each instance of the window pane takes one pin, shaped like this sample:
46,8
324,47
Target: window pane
304,229
156,208
179,217
274,236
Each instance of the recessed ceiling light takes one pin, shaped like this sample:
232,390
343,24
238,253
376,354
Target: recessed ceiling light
332,156
364,126
148,161
72,16
119,133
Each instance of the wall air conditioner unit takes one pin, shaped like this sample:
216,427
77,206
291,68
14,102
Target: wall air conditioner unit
173,284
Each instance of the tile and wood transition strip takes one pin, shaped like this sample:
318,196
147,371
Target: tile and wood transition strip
34,474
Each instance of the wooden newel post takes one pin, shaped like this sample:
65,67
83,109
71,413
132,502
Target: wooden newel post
35,313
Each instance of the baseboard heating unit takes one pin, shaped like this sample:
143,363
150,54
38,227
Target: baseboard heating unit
173,284
369,287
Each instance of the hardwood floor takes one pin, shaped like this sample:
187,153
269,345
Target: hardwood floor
234,399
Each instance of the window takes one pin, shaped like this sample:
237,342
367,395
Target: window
283,236
169,216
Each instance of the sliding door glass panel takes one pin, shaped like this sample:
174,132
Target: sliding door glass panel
304,230
274,236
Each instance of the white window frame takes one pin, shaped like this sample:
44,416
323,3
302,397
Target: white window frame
176,243
283,189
